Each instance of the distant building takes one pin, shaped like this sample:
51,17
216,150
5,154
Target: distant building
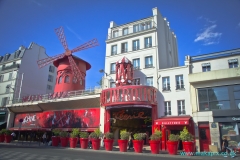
215,97
20,76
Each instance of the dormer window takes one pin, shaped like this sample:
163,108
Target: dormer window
233,63
115,34
125,31
206,67
6,57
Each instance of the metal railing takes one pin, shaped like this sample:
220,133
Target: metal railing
11,67
70,94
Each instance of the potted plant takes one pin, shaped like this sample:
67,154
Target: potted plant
84,139
123,141
138,142
154,143
159,133
7,135
74,137
55,137
95,138
1,136
187,141
172,144
64,139
108,142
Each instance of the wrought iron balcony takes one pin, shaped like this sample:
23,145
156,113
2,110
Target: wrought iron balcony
13,66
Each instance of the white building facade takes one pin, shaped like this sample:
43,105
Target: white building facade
20,76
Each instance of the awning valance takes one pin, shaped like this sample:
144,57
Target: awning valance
176,120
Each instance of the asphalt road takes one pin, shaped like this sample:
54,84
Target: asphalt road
50,153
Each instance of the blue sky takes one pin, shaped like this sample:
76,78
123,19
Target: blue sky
201,26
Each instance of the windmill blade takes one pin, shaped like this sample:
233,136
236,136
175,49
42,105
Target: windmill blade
89,44
43,62
60,33
76,72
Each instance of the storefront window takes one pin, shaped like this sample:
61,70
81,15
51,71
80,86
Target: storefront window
231,130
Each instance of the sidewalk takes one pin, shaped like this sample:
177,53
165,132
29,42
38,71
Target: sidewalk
146,150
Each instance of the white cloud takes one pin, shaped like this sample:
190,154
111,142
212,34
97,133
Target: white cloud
74,33
208,36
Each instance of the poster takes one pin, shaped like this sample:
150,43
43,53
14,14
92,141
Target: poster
84,118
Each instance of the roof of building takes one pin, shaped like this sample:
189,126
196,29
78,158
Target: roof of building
11,56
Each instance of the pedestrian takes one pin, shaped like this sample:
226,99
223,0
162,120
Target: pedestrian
225,146
44,137
130,141
13,136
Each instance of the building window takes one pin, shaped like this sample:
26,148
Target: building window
149,81
136,28
8,87
148,62
51,69
233,63
124,47
148,25
115,34
136,63
10,76
49,87
213,98
167,105
114,50
112,84
4,101
50,78
136,45
136,81
67,79
148,42
125,31
60,80
166,84
179,82
81,82
113,68
1,78
181,107
206,67
236,92
2,116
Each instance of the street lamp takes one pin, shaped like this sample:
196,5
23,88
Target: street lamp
106,74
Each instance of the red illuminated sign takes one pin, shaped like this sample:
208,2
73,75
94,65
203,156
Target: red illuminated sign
84,118
121,115
172,123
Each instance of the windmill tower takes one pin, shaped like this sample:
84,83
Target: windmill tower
71,70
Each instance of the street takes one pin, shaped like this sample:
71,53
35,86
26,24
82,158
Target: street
10,152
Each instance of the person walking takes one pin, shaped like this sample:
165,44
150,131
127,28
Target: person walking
44,137
225,146
13,136
130,141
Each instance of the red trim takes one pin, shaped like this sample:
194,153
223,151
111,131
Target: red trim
173,121
49,129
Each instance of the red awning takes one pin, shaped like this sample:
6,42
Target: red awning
49,129
176,120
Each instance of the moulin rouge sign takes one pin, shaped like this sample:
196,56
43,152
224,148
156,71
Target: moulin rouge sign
55,95
128,94
121,115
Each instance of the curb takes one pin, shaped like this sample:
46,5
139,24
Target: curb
117,152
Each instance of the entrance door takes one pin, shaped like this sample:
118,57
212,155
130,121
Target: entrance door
204,138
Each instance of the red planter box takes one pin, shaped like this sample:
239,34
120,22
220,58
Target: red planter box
108,144
8,138
55,141
73,142
64,141
188,148
154,145
172,147
96,144
123,144
138,145
84,143
2,138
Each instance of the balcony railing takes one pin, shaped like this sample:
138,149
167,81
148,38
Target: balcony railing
148,45
132,31
148,65
11,67
180,87
124,50
168,88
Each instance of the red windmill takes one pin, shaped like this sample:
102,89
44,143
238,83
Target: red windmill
71,69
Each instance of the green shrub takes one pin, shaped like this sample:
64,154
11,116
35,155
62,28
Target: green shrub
83,134
96,134
139,136
185,135
155,137
173,137
124,135
75,133
109,135
63,134
6,131
56,132
158,132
